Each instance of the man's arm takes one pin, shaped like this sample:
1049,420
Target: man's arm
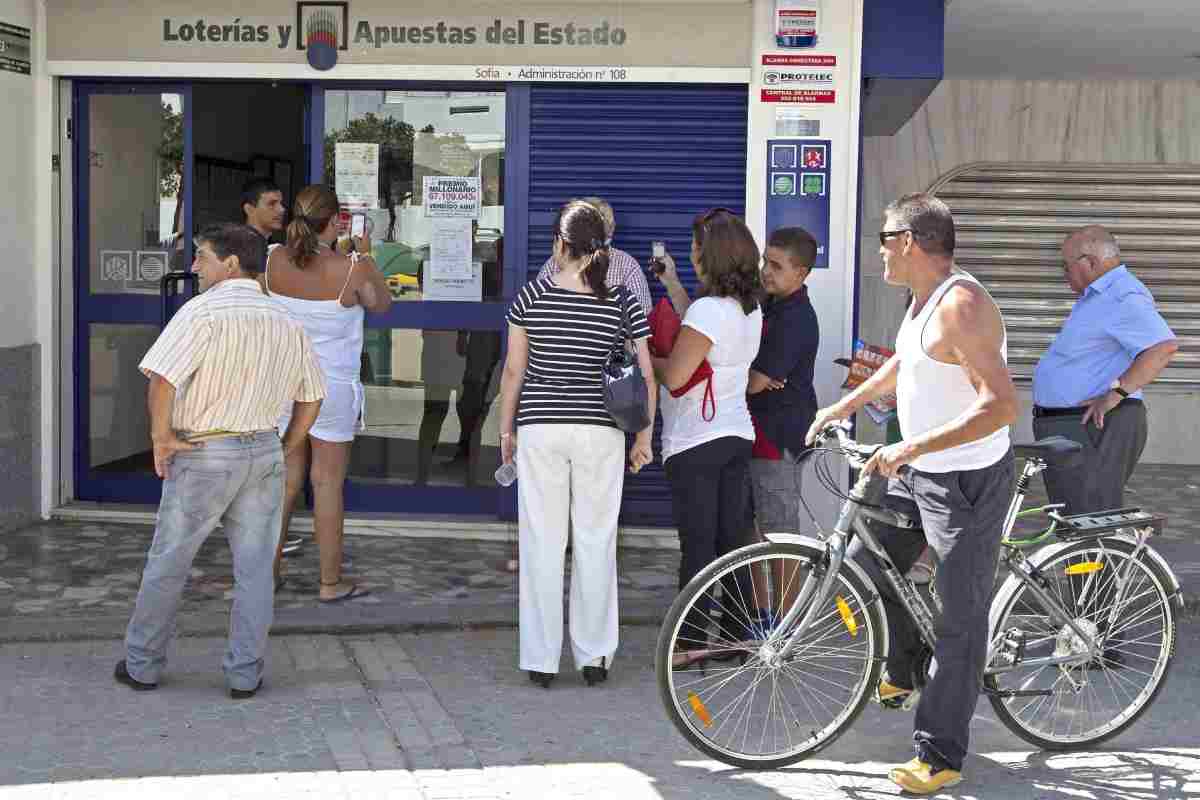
1142,372
972,327
304,416
1149,364
881,383
160,398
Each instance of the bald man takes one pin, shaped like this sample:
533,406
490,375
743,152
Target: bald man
1088,385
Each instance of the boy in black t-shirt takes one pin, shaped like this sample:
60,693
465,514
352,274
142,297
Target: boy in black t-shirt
781,395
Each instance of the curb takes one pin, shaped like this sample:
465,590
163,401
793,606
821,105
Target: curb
351,620
345,620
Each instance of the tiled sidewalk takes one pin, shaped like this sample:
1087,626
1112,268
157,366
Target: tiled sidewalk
85,576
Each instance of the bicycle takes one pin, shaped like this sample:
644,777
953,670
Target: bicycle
779,664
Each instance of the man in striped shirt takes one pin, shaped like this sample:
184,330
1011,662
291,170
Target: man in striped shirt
623,269
220,375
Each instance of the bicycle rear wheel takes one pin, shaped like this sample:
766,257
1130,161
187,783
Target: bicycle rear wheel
1071,706
719,675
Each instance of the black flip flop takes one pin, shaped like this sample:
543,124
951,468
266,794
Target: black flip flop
354,592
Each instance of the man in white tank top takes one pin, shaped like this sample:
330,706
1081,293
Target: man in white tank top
956,401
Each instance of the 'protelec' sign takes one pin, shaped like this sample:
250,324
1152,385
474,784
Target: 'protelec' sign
778,77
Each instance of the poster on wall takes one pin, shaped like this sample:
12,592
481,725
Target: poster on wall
14,49
451,196
798,175
356,175
451,272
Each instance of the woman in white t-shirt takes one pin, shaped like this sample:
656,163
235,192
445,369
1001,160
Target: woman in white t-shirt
707,454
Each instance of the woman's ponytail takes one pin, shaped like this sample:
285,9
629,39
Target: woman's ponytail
597,272
316,205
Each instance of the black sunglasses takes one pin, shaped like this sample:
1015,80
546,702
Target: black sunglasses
885,235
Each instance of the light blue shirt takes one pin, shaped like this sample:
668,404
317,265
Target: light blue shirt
1112,322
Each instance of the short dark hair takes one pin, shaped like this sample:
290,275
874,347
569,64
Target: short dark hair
253,190
798,243
729,256
230,239
928,218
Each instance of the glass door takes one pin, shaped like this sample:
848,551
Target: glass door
132,207
431,366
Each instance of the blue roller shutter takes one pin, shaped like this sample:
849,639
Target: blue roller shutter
660,155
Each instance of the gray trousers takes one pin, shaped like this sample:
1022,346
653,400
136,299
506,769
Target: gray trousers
238,480
1109,457
963,517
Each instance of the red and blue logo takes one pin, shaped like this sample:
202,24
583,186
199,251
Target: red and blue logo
322,30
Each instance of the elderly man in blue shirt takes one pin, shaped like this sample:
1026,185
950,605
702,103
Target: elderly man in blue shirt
1088,385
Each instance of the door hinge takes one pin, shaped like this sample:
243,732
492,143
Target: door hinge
55,163
70,128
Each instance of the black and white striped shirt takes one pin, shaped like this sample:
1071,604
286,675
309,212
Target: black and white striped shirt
570,336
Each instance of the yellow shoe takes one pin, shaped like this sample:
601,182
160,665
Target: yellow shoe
917,777
891,696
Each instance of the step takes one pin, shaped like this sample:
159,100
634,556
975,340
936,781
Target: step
396,525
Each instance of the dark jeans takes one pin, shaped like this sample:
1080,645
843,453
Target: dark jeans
963,517
710,498
1109,457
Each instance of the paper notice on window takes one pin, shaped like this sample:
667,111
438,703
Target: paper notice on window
450,248
451,196
356,175
451,272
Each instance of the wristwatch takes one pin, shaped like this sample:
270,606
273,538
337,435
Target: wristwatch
1115,386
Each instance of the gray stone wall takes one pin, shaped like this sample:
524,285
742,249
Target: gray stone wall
20,445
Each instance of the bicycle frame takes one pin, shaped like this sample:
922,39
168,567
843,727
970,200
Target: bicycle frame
864,504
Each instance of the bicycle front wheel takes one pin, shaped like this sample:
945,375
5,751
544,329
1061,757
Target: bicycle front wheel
721,675
1124,605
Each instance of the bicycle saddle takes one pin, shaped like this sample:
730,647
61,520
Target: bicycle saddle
1058,451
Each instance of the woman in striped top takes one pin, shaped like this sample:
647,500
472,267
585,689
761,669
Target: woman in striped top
570,472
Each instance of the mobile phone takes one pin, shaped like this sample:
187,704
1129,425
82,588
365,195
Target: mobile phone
358,225
657,251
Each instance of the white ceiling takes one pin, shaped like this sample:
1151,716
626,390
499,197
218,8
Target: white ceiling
1073,39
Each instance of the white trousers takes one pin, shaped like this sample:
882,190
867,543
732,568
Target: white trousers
568,474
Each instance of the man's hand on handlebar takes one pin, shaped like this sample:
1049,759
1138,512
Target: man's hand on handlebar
824,418
889,460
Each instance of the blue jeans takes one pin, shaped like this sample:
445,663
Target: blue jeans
238,480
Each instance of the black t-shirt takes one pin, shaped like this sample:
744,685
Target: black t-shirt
788,352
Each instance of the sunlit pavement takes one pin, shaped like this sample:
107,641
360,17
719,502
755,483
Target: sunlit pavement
448,715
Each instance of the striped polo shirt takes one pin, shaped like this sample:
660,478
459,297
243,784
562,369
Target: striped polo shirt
236,358
571,334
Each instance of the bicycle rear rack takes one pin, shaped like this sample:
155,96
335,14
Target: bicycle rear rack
1086,526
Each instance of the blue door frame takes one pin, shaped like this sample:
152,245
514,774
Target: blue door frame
111,308
361,496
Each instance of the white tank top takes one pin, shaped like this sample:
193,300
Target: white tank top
336,331
930,393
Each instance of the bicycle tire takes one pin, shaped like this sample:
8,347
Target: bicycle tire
1144,645
815,691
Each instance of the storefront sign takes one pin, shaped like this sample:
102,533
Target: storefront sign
357,33
451,196
798,189
808,96
14,49
356,175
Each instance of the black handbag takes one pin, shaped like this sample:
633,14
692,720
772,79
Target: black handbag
625,394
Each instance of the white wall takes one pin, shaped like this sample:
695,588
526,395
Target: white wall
831,290
17,306
965,121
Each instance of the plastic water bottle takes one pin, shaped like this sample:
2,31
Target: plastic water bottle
507,473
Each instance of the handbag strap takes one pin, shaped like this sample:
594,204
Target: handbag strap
625,333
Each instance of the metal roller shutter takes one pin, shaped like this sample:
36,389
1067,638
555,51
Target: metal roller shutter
660,155
1012,218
